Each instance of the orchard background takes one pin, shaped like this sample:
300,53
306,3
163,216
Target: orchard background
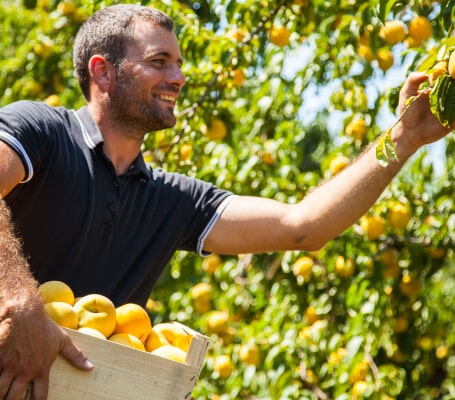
280,95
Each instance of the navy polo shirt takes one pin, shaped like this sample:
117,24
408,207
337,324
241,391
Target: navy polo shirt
82,223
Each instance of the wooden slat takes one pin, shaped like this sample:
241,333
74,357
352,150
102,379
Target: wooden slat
123,373
198,347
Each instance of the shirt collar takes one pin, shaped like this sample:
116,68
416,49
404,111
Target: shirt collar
94,139
90,131
139,167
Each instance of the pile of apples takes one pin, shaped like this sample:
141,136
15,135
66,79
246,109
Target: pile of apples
128,324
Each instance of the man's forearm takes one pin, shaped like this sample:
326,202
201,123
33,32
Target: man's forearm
16,280
338,203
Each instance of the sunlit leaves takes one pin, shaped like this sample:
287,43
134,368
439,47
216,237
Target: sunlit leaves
442,100
285,122
385,150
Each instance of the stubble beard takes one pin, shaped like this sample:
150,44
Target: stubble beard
137,111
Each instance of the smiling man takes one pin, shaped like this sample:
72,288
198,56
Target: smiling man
88,211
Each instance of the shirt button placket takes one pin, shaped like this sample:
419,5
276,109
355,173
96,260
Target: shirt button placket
112,206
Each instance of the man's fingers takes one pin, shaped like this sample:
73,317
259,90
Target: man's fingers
5,383
74,355
39,388
415,80
28,392
17,389
412,85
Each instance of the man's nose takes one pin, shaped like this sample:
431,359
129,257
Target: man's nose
175,76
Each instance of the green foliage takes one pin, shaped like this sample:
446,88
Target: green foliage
316,336
385,150
442,100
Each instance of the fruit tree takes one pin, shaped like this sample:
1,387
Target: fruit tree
277,90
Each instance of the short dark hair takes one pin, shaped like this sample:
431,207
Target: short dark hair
107,33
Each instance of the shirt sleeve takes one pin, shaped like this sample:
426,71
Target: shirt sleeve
211,224
193,207
25,126
16,145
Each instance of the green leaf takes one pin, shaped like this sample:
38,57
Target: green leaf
435,95
410,100
385,7
30,4
445,48
380,153
442,100
390,148
385,150
353,348
428,63
449,103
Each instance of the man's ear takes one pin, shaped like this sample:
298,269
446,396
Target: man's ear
101,71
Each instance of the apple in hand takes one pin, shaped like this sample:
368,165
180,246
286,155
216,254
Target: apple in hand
96,311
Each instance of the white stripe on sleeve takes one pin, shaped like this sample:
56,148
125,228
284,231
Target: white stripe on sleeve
17,146
208,228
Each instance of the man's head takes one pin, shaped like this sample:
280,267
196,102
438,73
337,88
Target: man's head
108,33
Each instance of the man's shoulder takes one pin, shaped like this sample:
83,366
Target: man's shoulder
176,182
36,109
34,120
160,174
33,105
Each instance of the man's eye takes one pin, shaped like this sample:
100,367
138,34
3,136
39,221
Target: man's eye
157,63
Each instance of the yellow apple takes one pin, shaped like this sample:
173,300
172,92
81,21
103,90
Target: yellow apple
223,365
56,291
170,352
62,314
250,354
91,332
96,311
134,319
451,65
127,339
303,267
155,340
217,322
279,35
174,334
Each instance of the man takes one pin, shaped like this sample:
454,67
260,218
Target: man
87,210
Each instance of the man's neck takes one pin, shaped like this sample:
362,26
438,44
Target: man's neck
121,147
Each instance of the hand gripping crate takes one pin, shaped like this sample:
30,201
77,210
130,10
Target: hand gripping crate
124,373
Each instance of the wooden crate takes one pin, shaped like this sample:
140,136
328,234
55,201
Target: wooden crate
124,373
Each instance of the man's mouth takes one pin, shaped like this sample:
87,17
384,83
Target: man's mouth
167,97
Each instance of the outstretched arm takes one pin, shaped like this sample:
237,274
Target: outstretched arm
251,224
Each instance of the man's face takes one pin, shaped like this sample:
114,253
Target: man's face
149,81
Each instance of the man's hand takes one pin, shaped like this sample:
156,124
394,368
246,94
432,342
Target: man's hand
29,340
418,125
29,343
